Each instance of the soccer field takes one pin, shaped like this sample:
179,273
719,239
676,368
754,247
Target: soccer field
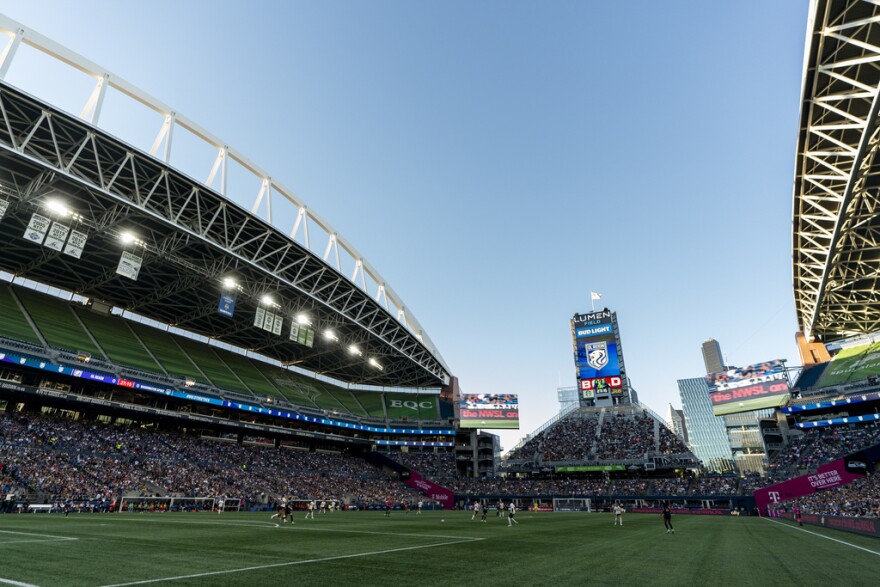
364,548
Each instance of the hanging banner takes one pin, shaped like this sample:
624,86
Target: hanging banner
4,204
269,321
294,332
227,305
279,322
259,317
129,265
37,228
56,237
76,242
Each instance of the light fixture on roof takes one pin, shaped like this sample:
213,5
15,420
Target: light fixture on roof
57,207
303,319
331,335
127,237
267,300
372,361
353,349
229,283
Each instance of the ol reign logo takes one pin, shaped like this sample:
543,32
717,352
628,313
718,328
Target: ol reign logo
597,354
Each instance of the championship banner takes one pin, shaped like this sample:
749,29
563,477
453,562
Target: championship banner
129,265
76,242
57,236
37,228
226,307
259,316
4,204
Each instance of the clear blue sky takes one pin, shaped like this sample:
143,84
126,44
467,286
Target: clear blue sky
497,161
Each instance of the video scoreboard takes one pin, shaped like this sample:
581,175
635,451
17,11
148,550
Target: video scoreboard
598,355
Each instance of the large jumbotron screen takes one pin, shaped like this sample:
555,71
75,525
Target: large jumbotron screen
595,353
855,363
489,410
745,389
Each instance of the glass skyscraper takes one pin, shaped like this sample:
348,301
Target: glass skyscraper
707,433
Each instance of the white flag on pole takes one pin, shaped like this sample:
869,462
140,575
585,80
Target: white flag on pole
595,296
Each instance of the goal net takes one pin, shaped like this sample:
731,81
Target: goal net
178,504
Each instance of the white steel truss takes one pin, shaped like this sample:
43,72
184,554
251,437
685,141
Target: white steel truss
836,227
79,151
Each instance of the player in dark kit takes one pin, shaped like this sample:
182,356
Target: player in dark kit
667,519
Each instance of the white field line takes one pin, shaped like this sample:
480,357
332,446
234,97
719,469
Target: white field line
292,563
16,583
38,535
5,542
301,526
196,523
823,536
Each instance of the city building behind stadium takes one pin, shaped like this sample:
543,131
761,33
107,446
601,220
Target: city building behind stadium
165,342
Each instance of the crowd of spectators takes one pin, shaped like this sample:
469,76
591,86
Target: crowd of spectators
437,466
626,437
62,459
570,439
861,498
818,446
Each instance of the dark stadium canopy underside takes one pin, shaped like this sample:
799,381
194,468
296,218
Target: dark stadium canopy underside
836,228
191,238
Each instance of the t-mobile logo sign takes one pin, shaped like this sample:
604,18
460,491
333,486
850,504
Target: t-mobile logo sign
774,495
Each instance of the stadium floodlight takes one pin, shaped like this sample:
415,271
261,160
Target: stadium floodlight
229,283
331,335
57,207
372,361
355,351
267,300
303,319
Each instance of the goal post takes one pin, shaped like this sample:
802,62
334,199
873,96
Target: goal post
572,504
177,504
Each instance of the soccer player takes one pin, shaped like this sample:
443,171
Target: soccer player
476,510
310,509
387,508
484,511
282,511
499,508
419,511
220,503
511,512
667,518
618,513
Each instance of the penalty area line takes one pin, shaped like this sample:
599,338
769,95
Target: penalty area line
16,583
289,564
823,536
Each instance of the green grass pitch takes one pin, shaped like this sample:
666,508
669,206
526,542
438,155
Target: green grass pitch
353,549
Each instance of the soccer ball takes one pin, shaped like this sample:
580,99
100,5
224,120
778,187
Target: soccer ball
443,520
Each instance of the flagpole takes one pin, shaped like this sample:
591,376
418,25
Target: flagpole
592,302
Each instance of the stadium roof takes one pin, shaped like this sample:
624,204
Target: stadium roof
836,226
190,235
